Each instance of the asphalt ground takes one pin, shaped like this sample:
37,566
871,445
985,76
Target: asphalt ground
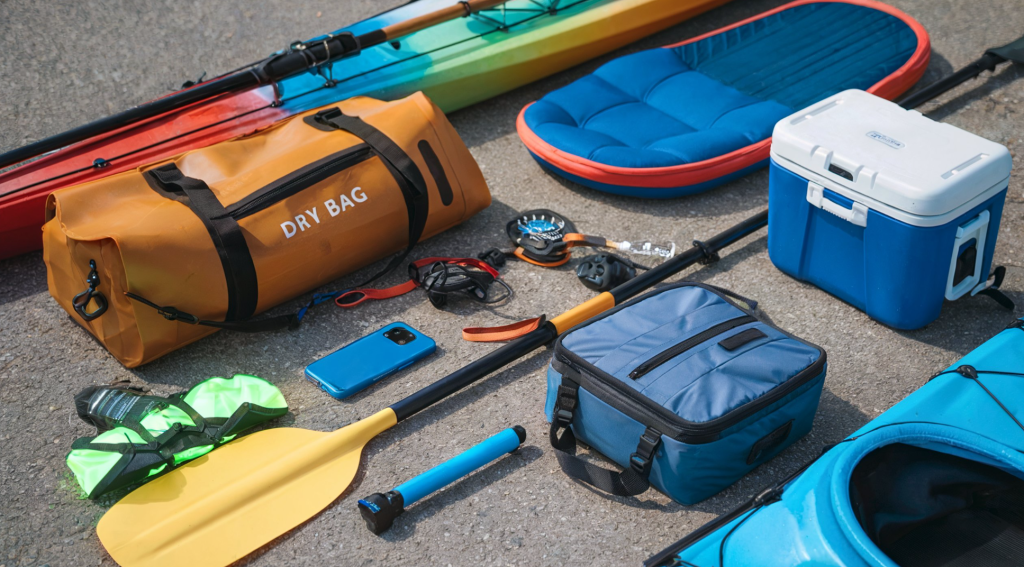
66,63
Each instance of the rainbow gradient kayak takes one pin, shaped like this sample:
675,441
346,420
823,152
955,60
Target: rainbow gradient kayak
456,63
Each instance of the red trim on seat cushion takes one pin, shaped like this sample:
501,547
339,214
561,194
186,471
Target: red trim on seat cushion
707,170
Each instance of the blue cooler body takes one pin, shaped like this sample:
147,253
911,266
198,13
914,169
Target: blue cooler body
884,208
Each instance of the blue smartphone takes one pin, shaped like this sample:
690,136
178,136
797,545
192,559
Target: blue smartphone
365,361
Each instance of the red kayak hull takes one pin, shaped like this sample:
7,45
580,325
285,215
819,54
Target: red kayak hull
23,190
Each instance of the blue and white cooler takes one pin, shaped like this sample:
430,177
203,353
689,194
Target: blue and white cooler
884,208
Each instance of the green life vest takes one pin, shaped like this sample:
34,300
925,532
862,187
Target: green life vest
141,436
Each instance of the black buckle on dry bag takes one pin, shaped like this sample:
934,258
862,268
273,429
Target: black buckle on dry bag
172,314
324,116
81,301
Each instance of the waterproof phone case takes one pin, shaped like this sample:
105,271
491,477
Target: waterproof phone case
365,361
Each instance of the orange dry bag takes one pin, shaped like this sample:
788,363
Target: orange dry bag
152,259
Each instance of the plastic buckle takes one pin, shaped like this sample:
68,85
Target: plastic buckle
495,257
172,314
325,116
563,417
652,437
638,463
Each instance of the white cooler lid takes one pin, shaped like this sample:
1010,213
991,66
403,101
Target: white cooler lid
876,152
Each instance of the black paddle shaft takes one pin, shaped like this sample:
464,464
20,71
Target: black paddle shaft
295,60
988,62
700,252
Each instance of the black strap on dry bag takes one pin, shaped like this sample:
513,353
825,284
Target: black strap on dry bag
402,168
239,270
630,482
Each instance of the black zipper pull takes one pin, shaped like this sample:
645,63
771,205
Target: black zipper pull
639,371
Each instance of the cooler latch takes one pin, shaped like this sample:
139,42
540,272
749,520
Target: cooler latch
968,256
858,214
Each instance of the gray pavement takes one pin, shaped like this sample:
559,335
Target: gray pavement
65,63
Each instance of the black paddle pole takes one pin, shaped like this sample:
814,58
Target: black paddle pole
272,69
988,62
705,251
298,58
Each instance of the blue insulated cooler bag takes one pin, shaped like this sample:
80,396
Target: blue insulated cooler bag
684,388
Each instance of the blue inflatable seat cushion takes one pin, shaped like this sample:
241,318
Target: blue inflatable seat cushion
673,120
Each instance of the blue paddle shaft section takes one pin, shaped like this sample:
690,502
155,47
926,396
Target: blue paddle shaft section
459,466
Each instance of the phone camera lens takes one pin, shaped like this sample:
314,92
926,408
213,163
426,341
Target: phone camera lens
402,341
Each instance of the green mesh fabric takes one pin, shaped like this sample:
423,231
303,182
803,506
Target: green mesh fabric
221,397
159,421
215,399
189,454
90,466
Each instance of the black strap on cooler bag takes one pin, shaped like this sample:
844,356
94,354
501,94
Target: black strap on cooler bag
239,270
630,482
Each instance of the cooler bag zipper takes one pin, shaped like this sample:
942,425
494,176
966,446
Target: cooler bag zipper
298,181
681,347
619,396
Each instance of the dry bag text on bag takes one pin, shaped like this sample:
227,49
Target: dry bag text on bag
152,259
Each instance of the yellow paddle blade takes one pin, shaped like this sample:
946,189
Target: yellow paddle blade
223,506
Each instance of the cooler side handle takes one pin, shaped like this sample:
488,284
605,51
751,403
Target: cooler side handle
977,230
858,214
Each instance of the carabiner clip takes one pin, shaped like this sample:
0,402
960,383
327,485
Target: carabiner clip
81,301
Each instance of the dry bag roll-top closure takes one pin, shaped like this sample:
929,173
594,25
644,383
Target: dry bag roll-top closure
153,259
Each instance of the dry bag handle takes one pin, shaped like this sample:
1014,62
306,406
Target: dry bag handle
239,270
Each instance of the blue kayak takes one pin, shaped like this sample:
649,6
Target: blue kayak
938,480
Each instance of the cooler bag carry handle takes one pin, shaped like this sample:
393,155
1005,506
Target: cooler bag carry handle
630,482
239,270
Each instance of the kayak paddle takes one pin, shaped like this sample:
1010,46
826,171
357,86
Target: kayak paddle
298,58
224,505
1013,51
